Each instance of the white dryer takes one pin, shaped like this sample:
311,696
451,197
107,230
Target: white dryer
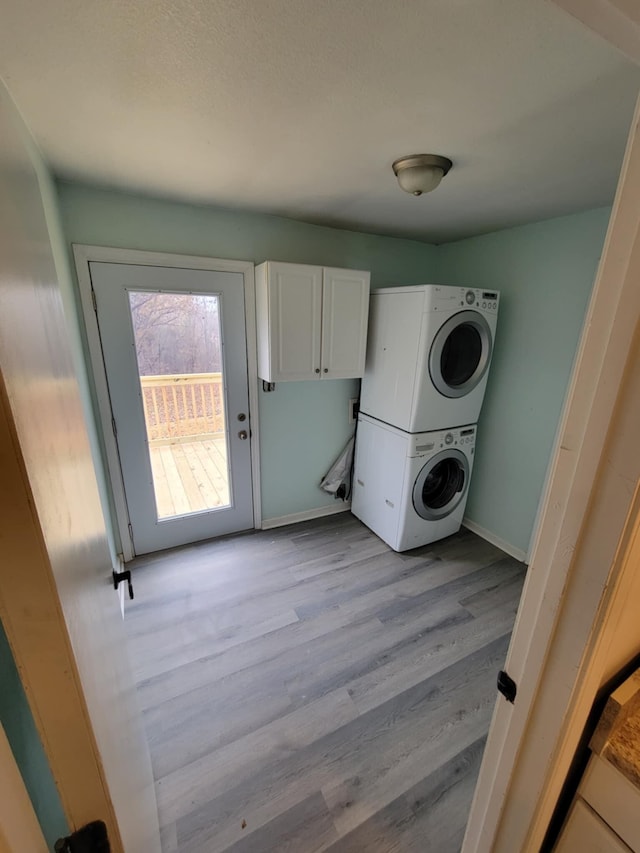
411,489
428,355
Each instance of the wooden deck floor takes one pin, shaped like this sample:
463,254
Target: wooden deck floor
190,476
306,689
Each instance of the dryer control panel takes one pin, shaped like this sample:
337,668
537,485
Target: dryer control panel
489,300
452,298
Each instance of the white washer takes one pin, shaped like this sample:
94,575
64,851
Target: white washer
411,489
428,355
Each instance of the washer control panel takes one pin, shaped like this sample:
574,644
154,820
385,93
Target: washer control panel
428,443
467,435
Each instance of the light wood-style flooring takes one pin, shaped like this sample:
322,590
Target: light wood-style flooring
307,689
190,476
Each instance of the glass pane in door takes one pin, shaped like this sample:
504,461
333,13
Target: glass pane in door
179,353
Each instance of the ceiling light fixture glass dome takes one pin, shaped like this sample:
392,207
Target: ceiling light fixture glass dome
421,173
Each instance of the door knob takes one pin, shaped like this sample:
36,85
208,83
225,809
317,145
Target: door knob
243,435
242,416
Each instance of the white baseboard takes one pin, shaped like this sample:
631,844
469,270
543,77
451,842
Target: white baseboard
511,550
307,515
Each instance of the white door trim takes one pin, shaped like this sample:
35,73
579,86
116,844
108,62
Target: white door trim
84,255
569,579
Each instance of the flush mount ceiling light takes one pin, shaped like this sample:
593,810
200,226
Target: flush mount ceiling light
421,173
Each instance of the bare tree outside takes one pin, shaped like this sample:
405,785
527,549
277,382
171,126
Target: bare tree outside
176,333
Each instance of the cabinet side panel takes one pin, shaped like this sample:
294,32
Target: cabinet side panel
262,323
345,315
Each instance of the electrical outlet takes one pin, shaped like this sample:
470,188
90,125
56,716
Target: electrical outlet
353,410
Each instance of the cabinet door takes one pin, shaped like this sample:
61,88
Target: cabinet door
584,832
295,310
614,797
345,313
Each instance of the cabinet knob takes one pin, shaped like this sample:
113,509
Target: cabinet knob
326,370
317,370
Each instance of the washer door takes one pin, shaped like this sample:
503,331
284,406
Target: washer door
441,485
460,353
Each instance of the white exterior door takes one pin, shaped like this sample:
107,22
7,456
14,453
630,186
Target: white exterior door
175,356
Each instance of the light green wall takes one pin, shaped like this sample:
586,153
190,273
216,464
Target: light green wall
544,271
20,728
303,425
15,713
545,274
66,282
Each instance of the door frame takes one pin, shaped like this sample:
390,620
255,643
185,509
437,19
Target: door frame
84,255
578,575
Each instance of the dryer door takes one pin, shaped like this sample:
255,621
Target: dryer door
441,485
460,353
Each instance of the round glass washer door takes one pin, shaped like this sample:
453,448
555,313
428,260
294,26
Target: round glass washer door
441,485
460,353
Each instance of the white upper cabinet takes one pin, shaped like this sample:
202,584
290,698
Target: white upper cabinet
289,319
345,313
311,322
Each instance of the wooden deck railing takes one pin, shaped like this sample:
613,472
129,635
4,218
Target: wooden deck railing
181,406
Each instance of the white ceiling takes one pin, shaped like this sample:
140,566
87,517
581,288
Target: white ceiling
299,107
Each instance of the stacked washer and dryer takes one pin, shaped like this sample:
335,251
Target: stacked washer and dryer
428,359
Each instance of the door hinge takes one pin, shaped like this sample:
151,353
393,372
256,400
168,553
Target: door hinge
120,577
94,300
507,686
91,838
